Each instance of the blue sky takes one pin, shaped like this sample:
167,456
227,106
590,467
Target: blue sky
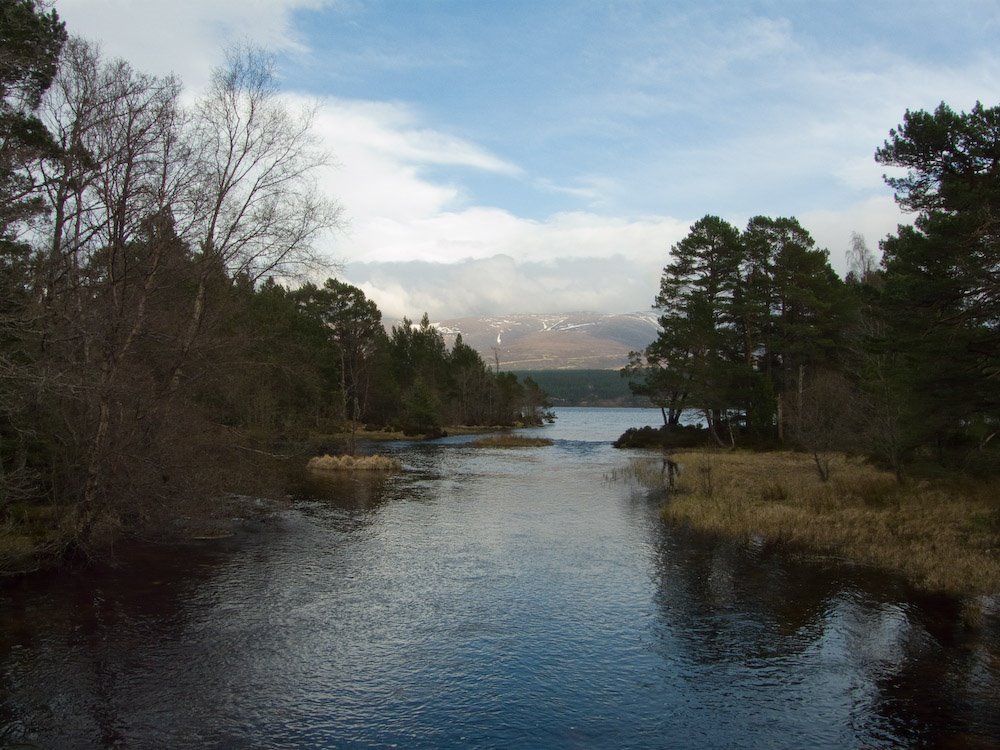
501,157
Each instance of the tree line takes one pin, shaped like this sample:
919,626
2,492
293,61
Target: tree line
147,351
767,345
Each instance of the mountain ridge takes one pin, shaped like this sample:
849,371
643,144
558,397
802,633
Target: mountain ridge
554,341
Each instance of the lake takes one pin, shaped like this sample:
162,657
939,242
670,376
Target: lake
489,598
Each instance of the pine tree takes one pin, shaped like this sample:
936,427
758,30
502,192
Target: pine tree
940,302
695,348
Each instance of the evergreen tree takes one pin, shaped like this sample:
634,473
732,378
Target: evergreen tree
354,326
31,40
809,314
745,320
30,43
940,298
694,349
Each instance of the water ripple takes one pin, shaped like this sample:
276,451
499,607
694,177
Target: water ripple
488,599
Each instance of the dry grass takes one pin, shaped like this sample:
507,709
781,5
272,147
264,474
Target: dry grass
354,463
510,441
942,536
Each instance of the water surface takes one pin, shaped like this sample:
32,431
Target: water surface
488,598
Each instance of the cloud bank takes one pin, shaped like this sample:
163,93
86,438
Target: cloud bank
544,157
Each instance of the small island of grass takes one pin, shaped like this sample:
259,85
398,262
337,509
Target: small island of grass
353,463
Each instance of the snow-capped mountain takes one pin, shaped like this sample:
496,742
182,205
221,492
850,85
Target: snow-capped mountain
551,342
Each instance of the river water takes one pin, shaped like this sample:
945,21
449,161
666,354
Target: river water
488,598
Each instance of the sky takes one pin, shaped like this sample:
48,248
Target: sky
535,156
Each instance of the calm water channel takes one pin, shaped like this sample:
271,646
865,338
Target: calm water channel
488,598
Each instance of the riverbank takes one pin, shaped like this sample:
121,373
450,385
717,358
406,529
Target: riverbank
490,598
252,477
941,535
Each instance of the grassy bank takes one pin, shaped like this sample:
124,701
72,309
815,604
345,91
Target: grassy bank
942,535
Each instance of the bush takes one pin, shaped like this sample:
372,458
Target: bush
689,436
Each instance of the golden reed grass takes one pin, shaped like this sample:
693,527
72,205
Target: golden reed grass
943,536
354,463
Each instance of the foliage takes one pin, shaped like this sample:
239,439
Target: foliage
742,317
666,437
763,340
584,387
149,362
939,300
31,40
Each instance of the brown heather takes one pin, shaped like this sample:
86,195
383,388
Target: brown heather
943,536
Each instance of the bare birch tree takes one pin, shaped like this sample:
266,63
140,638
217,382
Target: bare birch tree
254,208
156,214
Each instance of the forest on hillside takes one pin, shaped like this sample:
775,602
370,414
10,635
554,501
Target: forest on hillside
584,387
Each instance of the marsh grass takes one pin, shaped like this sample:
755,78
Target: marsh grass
510,441
942,535
353,463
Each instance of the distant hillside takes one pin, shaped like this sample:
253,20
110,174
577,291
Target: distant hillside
575,341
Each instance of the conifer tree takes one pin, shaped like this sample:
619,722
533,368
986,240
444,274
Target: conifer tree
940,301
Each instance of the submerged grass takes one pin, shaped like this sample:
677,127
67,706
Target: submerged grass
943,536
510,441
353,463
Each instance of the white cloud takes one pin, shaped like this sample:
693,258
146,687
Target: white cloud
500,284
395,210
186,37
399,212
616,266
698,112
393,129
874,219
415,247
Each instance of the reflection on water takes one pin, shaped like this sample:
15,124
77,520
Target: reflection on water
488,598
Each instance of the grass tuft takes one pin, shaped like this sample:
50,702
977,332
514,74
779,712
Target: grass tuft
353,463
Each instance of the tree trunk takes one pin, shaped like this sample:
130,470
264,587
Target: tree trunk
781,418
194,325
712,428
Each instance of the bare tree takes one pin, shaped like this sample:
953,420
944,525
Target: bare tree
825,418
154,214
110,196
253,208
861,261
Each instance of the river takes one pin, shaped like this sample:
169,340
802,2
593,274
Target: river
488,598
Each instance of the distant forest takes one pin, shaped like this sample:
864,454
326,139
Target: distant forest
585,387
